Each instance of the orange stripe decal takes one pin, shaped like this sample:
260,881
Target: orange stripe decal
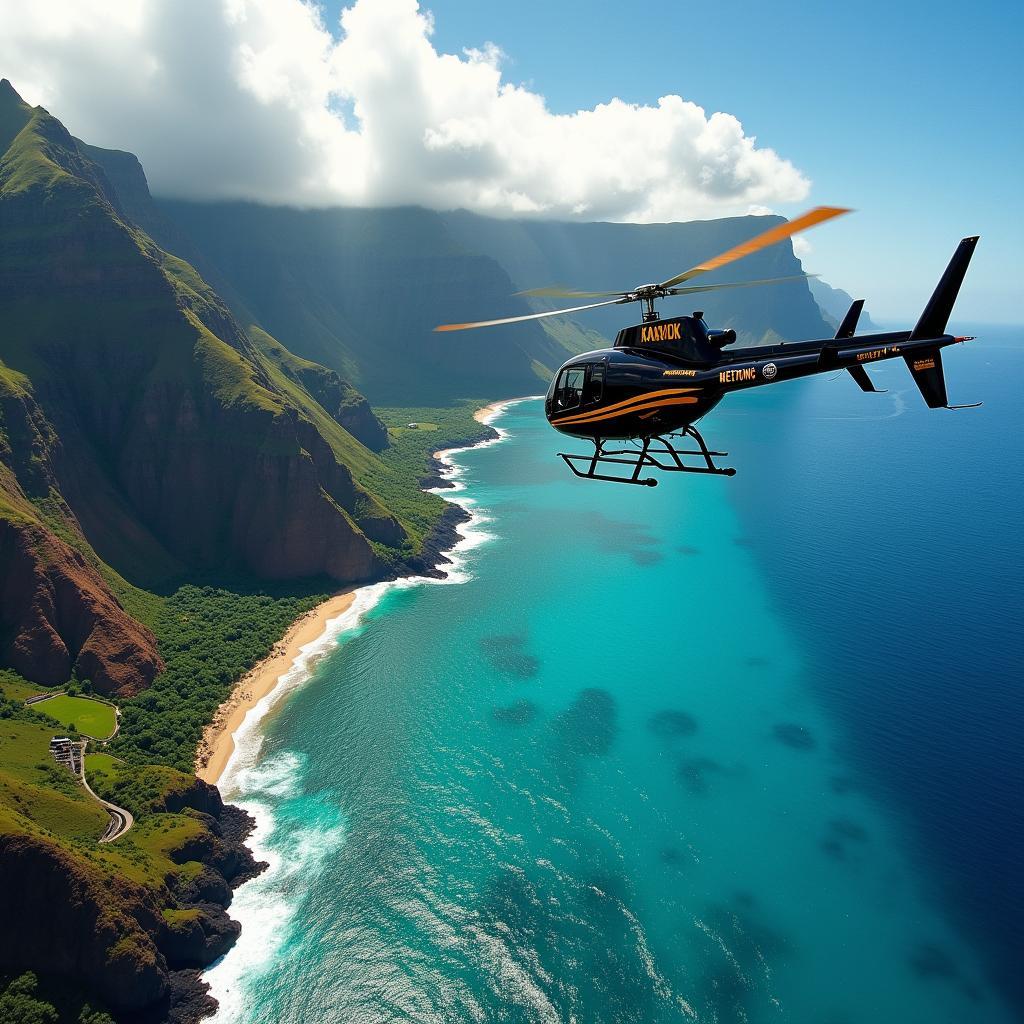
655,406
646,397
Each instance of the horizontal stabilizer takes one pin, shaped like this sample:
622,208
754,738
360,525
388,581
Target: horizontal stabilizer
860,375
848,327
936,314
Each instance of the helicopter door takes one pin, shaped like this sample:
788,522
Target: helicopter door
569,392
595,384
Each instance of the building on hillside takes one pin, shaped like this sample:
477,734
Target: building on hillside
68,753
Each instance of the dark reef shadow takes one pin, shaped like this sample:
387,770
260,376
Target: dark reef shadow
643,557
932,963
506,654
794,736
621,537
522,712
670,723
743,951
844,828
695,773
587,728
843,784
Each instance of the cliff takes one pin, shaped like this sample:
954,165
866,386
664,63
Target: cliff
834,303
57,615
360,291
132,938
143,430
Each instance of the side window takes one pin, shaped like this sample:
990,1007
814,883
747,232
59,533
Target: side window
569,393
595,384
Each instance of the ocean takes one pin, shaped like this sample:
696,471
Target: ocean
724,750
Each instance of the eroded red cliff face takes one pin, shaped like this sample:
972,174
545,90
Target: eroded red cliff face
57,614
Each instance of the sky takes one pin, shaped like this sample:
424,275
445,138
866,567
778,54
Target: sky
910,113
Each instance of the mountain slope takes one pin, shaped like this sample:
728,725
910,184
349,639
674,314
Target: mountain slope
144,431
601,256
834,303
361,290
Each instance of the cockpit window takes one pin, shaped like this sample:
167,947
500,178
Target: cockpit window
569,392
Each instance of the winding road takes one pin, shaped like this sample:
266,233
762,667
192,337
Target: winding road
120,819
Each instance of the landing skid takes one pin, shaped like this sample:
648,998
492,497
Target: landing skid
657,452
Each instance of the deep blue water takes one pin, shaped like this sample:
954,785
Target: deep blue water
899,555
724,750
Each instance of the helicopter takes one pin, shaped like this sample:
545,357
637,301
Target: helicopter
663,375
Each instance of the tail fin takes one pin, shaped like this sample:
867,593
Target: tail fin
848,327
936,314
925,364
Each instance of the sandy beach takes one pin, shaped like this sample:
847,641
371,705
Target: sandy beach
488,412
218,741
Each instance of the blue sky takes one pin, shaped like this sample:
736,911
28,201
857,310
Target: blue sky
911,113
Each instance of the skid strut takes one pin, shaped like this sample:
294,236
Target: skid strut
658,453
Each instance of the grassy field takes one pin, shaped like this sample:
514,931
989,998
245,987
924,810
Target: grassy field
89,717
38,790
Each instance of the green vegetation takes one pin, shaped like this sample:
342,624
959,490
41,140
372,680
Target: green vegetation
97,762
408,457
36,789
16,691
141,789
23,1000
83,714
208,637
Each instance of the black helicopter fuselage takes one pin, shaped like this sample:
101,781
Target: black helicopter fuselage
664,375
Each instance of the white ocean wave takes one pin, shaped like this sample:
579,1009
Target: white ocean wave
265,906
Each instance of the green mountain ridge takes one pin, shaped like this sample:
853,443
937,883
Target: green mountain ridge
179,441
362,290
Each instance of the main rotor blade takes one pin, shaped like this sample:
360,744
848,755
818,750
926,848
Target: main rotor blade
807,220
529,316
737,284
557,292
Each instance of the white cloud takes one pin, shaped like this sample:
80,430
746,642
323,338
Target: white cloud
256,99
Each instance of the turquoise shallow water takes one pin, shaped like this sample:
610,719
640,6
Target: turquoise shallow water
596,781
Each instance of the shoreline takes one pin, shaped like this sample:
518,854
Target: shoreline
259,906
219,744
489,412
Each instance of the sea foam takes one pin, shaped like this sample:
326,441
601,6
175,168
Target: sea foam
265,906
